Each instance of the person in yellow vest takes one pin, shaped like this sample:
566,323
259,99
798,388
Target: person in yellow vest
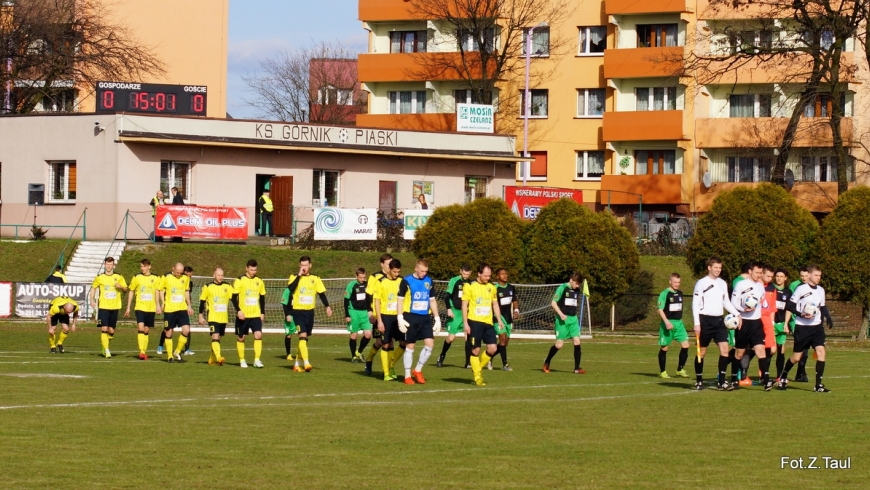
266,209
144,286
110,286
57,276
157,200
60,311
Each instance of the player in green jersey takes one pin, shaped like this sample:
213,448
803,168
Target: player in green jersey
453,301
565,301
357,308
671,328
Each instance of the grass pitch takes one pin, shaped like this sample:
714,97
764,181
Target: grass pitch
80,421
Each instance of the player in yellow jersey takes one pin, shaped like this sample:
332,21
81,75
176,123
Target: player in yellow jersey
372,290
144,286
174,299
386,307
110,286
60,311
215,298
249,299
304,287
479,301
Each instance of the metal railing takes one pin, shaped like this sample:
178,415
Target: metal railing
82,219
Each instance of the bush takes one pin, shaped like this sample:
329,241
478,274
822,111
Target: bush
567,236
763,223
482,231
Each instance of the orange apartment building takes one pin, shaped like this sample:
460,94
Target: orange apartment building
612,118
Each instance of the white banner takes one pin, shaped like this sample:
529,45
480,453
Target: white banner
475,118
32,299
414,219
5,299
345,224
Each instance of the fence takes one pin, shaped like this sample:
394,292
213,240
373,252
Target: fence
390,233
83,219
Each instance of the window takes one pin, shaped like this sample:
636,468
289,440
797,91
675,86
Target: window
590,165
654,162
540,41
324,191
538,167
408,41
469,96
822,169
656,35
63,101
475,187
656,99
175,174
593,40
408,102
748,169
469,41
750,41
750,105
539,99
590,102
62,178
826,39
330,95
822,106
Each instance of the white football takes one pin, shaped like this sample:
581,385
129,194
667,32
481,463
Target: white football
811,309
731,322
751,302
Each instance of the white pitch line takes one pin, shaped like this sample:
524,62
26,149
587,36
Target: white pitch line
41,375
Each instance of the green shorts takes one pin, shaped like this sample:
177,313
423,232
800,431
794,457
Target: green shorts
454,325
567,328
290,328
678,334
731,338
779,333
508,327
359,321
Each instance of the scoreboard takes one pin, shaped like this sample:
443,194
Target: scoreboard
181,100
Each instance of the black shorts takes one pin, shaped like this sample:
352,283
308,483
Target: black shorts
751,333
713,329
481,334
217,328
809,336
107,318
61,318
175,319
248,325
376,334
420,327
391,329
145,317
304,319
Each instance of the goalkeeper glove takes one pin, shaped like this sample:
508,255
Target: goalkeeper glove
403,325
437,327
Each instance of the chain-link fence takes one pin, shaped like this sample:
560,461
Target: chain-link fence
391,229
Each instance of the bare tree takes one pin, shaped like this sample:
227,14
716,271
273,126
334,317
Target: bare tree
317,84
55,49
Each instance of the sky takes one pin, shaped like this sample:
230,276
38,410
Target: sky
259,29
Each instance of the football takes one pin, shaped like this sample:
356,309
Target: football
750,303
811,309
731,322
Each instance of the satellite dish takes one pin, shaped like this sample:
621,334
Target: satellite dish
707,180
789,177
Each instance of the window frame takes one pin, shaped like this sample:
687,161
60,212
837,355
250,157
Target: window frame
467,43
657,34
171,179
657,167
65,191
535,33
476,186
651,98
417,106
546,92
761,168
756,105
585,92
320,181
582,159
418,34
585,50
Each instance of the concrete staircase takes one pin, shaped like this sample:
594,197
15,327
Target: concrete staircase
87,261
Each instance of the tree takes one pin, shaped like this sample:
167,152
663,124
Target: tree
490,36
52,49
841,251
483,231
763,223
567,236
316,84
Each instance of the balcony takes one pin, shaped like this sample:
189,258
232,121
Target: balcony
644,126
656,189
765,132
788,68
623,7
747,10
643,62
386,10
403,67
408,122
816,197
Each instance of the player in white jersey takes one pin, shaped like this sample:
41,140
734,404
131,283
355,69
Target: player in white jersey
747,297
807,304
710,297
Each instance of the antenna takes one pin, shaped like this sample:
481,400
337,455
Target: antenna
707,180
789,178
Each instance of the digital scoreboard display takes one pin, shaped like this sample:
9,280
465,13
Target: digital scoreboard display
182,100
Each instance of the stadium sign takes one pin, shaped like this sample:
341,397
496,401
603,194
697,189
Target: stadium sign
527,202
414,219
345,224
475,118
32,299
216,223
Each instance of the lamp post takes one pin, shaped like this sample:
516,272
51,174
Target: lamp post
528,100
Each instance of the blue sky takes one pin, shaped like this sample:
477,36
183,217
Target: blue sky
261,28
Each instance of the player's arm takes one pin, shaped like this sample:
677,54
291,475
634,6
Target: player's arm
48,318
697,302
130,297
72,320
94,287
433,305
792,307
496,308
555,302
348,291
826,316
189,303
662,303
448,301
731,306
237,290
465,315
515,307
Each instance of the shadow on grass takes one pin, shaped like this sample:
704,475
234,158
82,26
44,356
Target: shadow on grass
464,381
672,384
648,375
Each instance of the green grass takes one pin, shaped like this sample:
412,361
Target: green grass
125,423
663,266
31,261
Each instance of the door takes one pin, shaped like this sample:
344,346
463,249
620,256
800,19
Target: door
387,196
282,199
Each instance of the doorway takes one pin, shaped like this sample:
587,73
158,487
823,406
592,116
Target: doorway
387,196
261,182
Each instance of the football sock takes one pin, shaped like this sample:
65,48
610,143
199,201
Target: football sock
409,359
764,366
802,365
288,344
553,351
502,349
187,343
61,337
663,356
258,348
424,357
736,364
699,369
216,349
370,355
303,350
362,344
162,338
397,354
168,348
723,366
444,349
788,365
181,343
780,361
744,364
684,356
820,371
104,341
475,365
385,361
577,353
140,340
484,357
352,345
51,341
467,354
240,346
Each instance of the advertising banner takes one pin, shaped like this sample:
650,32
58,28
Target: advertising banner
475,118
215,223
32,299
345,224
5,299
415,218
526,202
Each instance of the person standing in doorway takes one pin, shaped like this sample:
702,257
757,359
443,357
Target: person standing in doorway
266,210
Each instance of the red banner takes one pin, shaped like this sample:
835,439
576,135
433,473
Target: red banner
526,202
202,222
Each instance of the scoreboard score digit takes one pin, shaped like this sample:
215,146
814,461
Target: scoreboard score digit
182,100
